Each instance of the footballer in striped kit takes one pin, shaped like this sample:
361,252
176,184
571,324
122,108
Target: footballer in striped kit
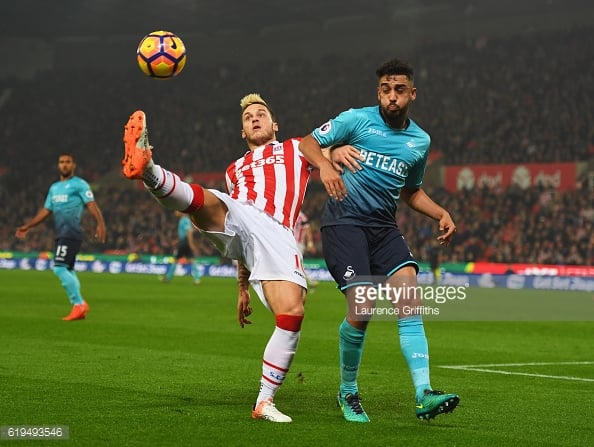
251,223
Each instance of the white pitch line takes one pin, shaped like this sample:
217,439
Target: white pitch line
519,364
481,368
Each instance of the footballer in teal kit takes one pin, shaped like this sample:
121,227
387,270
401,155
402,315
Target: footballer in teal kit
66,200
186,248
392,159
386,153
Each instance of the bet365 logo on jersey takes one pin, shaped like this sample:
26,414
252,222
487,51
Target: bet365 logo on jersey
272,160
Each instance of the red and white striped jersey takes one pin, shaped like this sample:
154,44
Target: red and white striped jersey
273,178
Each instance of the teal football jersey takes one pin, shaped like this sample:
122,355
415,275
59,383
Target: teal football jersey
393,159
66,200
183,226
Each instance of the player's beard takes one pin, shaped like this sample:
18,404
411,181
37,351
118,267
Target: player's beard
67,173
395,117
262,136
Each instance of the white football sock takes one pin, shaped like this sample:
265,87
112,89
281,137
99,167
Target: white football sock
166,186
278,356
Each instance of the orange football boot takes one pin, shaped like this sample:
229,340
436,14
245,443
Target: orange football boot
137,150
78,312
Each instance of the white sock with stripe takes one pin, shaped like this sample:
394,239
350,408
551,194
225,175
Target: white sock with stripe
278,356
170,191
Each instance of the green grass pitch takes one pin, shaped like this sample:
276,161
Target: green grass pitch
167,364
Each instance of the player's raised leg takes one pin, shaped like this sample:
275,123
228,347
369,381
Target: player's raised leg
207,210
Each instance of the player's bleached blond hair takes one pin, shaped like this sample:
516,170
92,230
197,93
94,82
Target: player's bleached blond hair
254,98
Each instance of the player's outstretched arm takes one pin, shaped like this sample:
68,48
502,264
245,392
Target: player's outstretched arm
42,214
346,156
419,201
329,176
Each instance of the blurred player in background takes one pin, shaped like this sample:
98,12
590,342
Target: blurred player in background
186,248
363,246
66,200
305,241
434,253
252,224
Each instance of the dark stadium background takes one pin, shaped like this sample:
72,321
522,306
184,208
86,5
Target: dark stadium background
499,82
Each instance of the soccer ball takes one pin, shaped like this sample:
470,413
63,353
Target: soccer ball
161,55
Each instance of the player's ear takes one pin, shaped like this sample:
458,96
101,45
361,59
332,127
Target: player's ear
275,126
243,134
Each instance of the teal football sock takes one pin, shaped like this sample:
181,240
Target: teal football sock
351,342
413,344
76,280
195,271
78,299
170,271
70,283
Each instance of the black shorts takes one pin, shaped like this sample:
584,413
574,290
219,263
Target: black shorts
354,254
183,250
66,251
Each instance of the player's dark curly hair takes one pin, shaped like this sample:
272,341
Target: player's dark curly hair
67,154
395,67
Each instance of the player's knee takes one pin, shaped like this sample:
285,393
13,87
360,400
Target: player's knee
211,216
289,322
358,323
59,270
296,307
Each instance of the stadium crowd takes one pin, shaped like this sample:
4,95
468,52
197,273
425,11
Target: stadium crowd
510,100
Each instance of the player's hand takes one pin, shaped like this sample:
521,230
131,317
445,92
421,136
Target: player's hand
100,233
346,156
447,229
244,309
21,232
332,181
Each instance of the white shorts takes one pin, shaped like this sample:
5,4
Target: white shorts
301,246
266,247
